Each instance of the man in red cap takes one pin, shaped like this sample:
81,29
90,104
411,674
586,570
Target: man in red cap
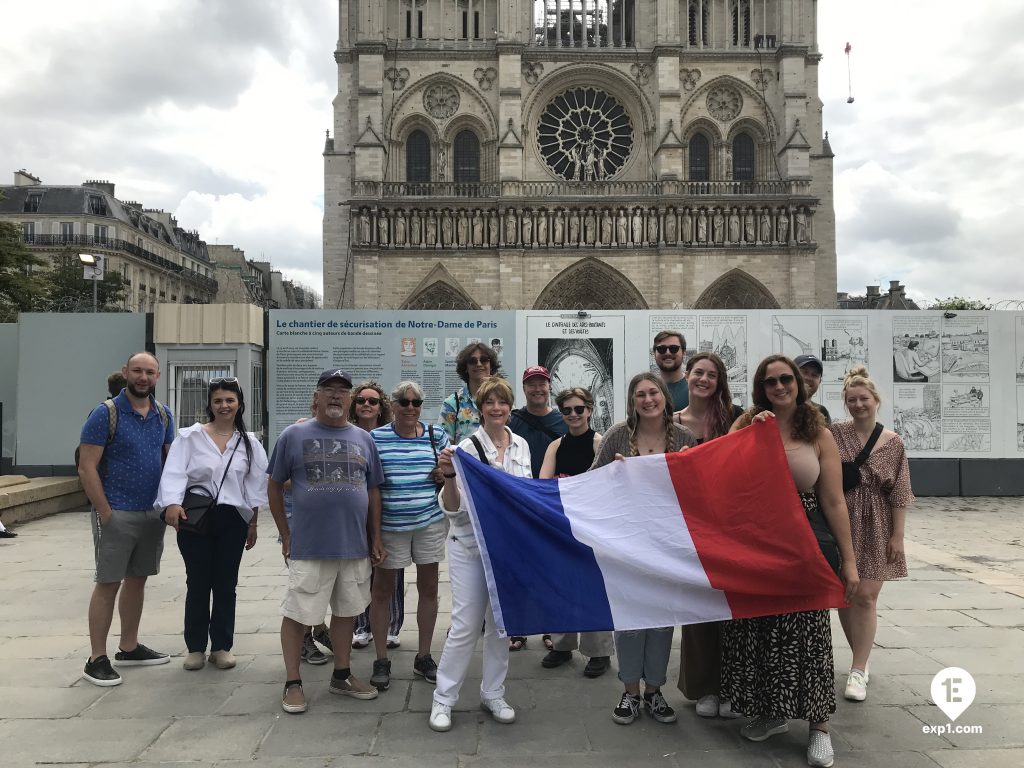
538,423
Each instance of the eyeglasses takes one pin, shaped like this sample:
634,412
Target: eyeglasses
479,361
577,409
365,400
785,379
661,349
405,402
223,380
333,391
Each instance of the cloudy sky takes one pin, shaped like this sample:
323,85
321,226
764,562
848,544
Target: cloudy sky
218,115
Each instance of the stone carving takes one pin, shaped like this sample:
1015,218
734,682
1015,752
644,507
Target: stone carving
622,228
430,227
749,226
382,228
532,70
606,227
687,227
689,78
652,226
670,226
636,233
441,100
511,227
761,77
641,73
415,228
801,226
589,227
462,229
584,134
734,226
442,163
718,227
542,227
447,226
400,228
398,77
365,227
485,77
527,225
702,226
574,227
782,226
559,228
493,227
724,103
766,227
478,229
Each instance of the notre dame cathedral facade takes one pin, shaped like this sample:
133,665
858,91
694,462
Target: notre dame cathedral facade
578,154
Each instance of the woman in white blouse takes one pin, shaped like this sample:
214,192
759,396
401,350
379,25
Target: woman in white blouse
470,602
202,455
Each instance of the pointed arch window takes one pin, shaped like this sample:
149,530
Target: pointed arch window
741,23
466,159
417,157
697,23
700,155
743,157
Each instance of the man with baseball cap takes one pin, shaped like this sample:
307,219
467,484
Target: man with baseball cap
334,536
538,423
811,370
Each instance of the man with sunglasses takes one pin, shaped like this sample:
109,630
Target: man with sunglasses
538,423
670,356
334,537
811,370
120,472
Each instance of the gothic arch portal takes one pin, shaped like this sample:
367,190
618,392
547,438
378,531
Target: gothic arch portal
590,284
439,290
736,290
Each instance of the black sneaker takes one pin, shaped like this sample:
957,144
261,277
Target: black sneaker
310,653
597,666
555,659
99,672
425,667
628,709
140,656
658,708
322,636
381,677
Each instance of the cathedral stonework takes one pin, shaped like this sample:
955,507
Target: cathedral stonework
578,154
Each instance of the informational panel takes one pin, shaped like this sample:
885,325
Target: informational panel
944,377
383,346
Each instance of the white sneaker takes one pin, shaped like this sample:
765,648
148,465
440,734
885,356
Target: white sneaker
707,706
725,710
362,639
393,642
856,686
440,717
819,749
499,709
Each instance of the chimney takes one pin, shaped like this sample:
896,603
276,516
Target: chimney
23,178
102,186
843,296
873,291
895,289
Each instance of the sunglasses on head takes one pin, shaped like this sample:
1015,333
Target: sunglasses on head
479,361
577,409
661,349
785,379
405,402
223,380
365,400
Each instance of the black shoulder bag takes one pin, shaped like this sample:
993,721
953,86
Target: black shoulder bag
197,501
851,469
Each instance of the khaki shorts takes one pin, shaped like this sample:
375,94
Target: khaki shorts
315,585
130,544
423,546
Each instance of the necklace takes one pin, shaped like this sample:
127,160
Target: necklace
224,434
647,446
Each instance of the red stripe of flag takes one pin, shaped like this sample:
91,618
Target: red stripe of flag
749,527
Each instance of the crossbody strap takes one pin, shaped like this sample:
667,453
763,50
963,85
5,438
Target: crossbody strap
479,449
535,423
433,445
866,450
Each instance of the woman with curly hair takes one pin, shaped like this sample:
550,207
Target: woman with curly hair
371,408
779,668
643,653
709,414
878,511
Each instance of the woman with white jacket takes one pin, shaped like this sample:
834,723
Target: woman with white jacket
470,601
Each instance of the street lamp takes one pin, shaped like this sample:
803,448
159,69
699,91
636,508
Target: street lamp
93,271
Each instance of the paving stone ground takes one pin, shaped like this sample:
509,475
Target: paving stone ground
963,605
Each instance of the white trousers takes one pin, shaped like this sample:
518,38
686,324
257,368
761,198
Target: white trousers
471,606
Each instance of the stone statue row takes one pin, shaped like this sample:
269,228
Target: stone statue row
574,227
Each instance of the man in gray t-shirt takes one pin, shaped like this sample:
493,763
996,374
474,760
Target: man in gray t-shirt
334,536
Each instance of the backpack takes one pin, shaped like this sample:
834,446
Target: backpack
112,429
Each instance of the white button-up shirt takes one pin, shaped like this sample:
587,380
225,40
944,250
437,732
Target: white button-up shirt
194,459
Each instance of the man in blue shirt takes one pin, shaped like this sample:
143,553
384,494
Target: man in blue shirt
538,423
120,474
334,535
670,356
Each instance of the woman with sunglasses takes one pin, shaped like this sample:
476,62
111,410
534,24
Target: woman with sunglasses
573,454
643,654
230,464
878,513
709,415
779,668
459,415
370,409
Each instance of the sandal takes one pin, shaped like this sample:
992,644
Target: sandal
516,642
546,639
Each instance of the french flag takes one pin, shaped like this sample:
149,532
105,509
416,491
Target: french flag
714,532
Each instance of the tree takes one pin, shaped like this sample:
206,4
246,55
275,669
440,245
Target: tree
19,289
958,302
68,291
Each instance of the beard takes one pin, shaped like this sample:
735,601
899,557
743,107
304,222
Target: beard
669,366
134,391
334,411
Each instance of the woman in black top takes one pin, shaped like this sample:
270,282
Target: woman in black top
572,454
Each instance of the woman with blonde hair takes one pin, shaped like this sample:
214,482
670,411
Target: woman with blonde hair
878,510
779,668
643,653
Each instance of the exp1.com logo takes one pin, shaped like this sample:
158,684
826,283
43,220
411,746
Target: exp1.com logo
953,691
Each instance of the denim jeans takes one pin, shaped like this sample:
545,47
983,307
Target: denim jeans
643,655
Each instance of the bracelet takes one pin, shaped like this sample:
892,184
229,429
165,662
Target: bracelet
445,474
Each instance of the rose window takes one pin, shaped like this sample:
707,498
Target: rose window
585,135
